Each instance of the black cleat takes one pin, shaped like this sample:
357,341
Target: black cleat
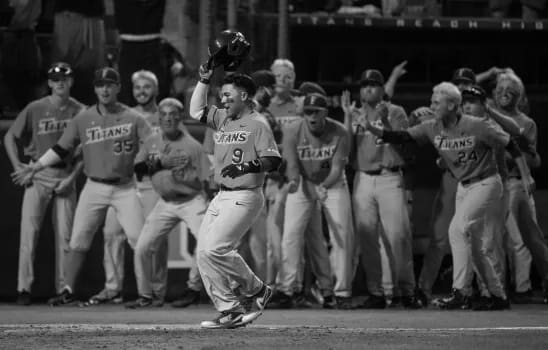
139,303
106,296
491,304
455,301
421,297
280,301
344,303
374,302
23,298
65,298
329,302
226,319
188,298
411,302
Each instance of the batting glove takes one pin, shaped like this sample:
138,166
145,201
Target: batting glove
236,170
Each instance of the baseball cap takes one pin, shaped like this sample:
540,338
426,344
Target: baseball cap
106,75
372,77
314,101
60,70
309,87
474,92
263,77
465,75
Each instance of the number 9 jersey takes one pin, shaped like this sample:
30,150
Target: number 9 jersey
109,142
238,141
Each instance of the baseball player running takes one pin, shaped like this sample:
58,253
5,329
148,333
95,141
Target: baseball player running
145,90
40,125
379,196
316,149
110,134
467,146
178,166
508,93
244,150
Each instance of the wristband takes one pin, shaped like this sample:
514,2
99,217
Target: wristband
255,166
205,81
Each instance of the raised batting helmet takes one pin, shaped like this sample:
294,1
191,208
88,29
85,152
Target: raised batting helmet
229,49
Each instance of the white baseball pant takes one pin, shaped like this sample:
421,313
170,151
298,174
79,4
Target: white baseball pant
472,235
381,200
35,203
224,272
161,221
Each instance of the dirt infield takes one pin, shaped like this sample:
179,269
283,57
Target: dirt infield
112,327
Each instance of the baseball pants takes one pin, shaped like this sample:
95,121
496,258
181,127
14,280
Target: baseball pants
380,200
303,209
35,203
442,213
224,272
161,221
523,211
472,235
114,238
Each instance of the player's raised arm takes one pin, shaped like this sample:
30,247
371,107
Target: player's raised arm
198,101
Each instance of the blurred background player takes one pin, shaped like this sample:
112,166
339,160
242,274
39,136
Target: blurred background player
178,166
110,134
40,125
379,196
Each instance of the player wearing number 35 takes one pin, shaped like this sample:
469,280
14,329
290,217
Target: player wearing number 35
109,134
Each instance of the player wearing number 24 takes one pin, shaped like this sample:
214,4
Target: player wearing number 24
109,134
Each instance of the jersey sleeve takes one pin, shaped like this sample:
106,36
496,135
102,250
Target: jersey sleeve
265,145
215,117
343,149
398,119
208,143
22,124
420,133
71,136
491,133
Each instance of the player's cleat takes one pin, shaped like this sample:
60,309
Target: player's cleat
301,302
23,298
106,296
188,297
522,297
281,301
258,303
227,319
374,302
411,302
422,297
491,304
139,303
157,302
329,302
455,301
393,302
64,298
345,303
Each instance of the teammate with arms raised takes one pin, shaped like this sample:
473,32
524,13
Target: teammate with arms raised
244,150
110,134
41,124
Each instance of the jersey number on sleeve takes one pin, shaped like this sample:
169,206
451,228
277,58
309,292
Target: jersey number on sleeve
464,157
123,146
237,156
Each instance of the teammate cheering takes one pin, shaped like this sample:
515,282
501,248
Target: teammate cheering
244,150
467,146
110,134
41,123
316,149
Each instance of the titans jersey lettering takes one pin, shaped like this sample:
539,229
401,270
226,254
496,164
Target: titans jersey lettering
458,144
311,153
51,125
231,137
98,134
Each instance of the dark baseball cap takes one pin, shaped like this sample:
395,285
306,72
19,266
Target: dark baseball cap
60,70
371,77
309,87
465,75
474,92
263,77
314,101
106,75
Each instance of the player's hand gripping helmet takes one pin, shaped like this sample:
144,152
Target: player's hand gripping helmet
229,50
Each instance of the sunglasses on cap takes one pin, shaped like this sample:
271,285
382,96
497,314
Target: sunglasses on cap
59,72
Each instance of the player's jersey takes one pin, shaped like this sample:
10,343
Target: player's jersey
371,152
285,112
109,142
40,124
315,154
528,129
238,141
468,148
164,182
